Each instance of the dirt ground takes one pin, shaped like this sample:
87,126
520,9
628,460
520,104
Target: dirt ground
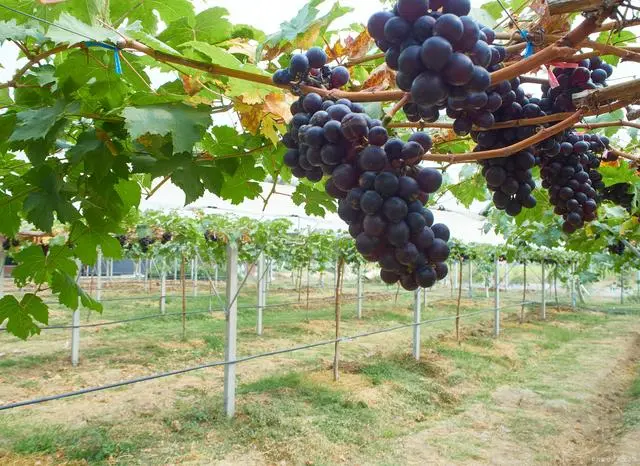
551,392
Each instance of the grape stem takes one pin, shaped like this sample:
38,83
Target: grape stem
540,136
398,105
513,123
624,155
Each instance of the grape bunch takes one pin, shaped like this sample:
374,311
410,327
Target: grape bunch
145,242
122,239
616,248
311,68
566,175
381,197
316,140
510,178
210,236
443,58
619,194
381,192
590,74
6,244
166,237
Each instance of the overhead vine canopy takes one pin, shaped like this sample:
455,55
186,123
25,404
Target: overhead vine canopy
84,133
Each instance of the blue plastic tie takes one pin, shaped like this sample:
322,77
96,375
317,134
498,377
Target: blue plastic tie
528,51
116,52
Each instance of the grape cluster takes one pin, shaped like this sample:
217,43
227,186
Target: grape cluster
567,177
166,237
384,208
122,239
443,58
145,242
311,68
210,236
7,243
616,248
590,74
618,194
510,178
316,140
381,192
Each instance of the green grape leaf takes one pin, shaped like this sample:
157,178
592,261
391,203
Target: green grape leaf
620,174
493,9
472,188
36,123
303,30
209,26
48,198
129,191
12,30
185,124
20,315
86,241
243,184
83,31
85,10
316,201
68,291
34,266
144,11
10,215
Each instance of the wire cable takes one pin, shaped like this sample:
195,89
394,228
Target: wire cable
236,361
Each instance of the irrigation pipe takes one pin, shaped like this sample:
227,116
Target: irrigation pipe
160,375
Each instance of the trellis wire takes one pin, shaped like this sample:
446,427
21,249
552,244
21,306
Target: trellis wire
146,378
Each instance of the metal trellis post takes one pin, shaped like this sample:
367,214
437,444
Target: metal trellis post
470,278
573,285
416,326
163,288
543,310
359,291
506,276
75,330
175,268
99,276
261,274
194,272
621,287
231,329
496,280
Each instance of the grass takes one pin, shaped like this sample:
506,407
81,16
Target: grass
93,444
294,413
632,410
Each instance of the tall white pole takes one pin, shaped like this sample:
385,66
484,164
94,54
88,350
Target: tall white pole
231,330
194,274
359,291
496,280
470,278
163,287
506,276
262,279
75,331
543,310
99,276
573,285
416,327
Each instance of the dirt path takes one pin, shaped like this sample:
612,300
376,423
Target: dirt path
566,417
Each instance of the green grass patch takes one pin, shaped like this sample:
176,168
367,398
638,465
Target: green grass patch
632,410
94,444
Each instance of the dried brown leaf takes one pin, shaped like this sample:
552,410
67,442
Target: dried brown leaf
381,78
